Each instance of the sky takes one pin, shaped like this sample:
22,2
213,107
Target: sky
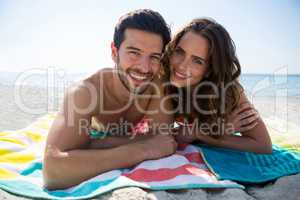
75,35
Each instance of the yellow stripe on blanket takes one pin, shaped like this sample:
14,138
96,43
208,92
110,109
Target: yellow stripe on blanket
6,133
8,156
6,174
3,152
12,140
15,146
36,137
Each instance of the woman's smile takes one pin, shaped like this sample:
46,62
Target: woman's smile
180,75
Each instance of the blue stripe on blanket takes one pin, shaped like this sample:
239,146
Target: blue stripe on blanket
251,167
25,188
34,167
35,170
88,189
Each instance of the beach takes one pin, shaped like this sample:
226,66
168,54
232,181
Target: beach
33,102
14,115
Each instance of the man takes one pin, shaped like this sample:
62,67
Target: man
109,96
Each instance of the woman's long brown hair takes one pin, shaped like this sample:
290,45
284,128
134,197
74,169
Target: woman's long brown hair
223,71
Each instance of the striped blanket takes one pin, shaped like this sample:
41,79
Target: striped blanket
21,155
191,166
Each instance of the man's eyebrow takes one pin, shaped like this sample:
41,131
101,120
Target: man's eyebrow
137,49
133,48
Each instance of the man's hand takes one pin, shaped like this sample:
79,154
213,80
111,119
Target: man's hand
158,146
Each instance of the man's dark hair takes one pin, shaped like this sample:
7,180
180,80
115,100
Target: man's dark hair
144,20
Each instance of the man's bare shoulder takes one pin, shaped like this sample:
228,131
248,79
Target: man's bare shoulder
86,92
100,76
92,82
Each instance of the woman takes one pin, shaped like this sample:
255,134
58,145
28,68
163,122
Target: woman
204,71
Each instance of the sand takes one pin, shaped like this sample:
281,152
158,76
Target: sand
13,117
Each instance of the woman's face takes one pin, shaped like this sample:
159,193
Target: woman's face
189,60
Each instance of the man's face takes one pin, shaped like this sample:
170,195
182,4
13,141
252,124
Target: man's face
138,59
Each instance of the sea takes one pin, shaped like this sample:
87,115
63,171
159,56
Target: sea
275,96
265,85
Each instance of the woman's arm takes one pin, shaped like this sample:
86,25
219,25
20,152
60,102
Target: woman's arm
255,138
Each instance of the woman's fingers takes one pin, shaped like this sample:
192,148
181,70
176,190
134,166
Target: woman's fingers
241,109
248,127
244,106
247,113
244,117
249,120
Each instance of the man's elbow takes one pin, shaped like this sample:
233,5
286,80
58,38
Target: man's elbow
50,182
52,175
53,180
50,178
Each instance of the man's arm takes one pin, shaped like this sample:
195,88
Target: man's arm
160,114
67,162
64,169
115,141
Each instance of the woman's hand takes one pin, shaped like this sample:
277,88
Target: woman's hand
185,134
242,119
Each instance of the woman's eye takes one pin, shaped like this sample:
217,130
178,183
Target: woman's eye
178,51
199,62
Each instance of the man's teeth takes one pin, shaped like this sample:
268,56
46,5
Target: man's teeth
138,77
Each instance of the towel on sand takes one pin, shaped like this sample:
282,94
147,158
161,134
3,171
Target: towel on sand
256,168
191,166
